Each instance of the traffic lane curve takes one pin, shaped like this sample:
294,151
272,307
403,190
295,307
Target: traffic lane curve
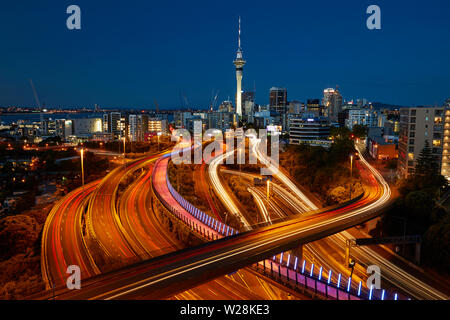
180,270
161,189
56,235
106,226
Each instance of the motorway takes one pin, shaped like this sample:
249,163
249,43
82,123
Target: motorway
175,272
172,273
148,238
365,256
62,241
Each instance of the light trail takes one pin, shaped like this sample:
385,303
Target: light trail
261,206
280,175
220,190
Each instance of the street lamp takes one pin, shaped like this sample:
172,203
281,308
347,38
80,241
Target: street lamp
351,174
352,266
268,189
158,134
82,168
124,150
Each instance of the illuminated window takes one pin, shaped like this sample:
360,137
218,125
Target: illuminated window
437,143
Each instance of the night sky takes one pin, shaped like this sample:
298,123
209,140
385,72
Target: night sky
129,53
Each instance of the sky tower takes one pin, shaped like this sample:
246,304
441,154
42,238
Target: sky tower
239,63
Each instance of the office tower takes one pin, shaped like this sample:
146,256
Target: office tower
295,107
132,127
309,129
332,102
278,100
363,117
112,123
105,123
142,126
226,106
64,128
86,126
313,106
220,120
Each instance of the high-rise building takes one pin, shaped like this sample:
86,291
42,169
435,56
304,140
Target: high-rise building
132,128
361,116
87,126
142,126
313,106
332,102
112,123
295,107
220,120
446,142
105,123
248,96
418,125
64,128
157,125
248,103
180,119
309,129
278,99
226,106
239,63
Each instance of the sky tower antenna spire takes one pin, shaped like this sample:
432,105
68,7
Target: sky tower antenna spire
239,37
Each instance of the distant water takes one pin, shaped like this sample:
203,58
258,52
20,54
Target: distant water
35,117
8,119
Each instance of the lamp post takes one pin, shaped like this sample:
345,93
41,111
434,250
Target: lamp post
351,174
82,168
352,266
158,134
124,152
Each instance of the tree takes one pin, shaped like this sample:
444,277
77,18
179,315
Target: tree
17,234
426,164
359,131
340,132
437,244
339,194
419,205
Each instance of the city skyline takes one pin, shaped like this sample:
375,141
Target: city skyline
230,153
88,66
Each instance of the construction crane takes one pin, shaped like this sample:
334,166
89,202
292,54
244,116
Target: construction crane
156,106
36,98
186,101
214,99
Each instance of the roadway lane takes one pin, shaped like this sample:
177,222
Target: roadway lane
161,188
103,219
166,275
63,243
